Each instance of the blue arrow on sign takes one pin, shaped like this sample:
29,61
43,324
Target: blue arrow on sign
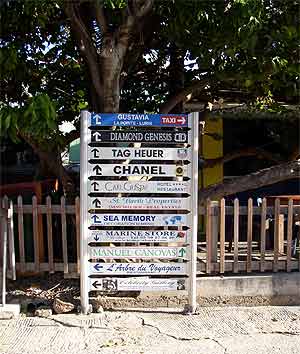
98,267
96,238
138,120
96,219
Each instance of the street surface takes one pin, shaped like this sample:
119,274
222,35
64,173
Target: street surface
215,330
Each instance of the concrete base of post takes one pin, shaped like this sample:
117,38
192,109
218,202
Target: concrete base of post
189,310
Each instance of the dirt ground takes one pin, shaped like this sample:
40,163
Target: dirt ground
34,292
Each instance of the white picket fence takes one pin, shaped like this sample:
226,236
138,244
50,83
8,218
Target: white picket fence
237,239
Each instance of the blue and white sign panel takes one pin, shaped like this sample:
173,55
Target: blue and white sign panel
138,252
142,203
139,170
139,219
136,284
138,187
138,120
130,236
113,269
124,153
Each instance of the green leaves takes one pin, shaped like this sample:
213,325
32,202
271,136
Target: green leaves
40,116
9,123
37,118
114,4
8,60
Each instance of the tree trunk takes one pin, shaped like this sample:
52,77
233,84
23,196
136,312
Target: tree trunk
52,159
176,75
254,180
111,66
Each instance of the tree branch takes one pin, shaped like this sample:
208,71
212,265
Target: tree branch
71,136
53,160
295,154
182,95
259,153
137,10
140,8
85,45
100,18
254,180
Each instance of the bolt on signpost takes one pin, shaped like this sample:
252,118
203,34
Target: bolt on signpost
166,212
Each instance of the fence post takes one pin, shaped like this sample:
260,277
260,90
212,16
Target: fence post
236,236
21,232
263,234
64,233
289,235
276,234
208,236
11,241
281,234
4,251
35,234
222,236
49,235
214,230
249,234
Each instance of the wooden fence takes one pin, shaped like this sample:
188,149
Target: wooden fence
43,246
269,246
236,239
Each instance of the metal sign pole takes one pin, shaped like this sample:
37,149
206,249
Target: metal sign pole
194,124
84,280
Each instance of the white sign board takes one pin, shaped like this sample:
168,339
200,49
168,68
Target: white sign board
137,252
138,219
123,153
138,170
113,269
138,235
140,195
139,187
98,137
139,203
136,284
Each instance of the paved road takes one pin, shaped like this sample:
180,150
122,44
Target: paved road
223,330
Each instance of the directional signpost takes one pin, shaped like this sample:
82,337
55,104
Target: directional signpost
130,236
138,170
157,136
127,284
138,252
138,120
138,219
139,203
133,195
112,269
123,153
164,187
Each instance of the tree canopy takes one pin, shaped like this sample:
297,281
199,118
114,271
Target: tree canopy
58,57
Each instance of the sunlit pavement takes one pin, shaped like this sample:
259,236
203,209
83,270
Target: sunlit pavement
213,330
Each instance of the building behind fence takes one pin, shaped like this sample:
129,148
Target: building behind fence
237,239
